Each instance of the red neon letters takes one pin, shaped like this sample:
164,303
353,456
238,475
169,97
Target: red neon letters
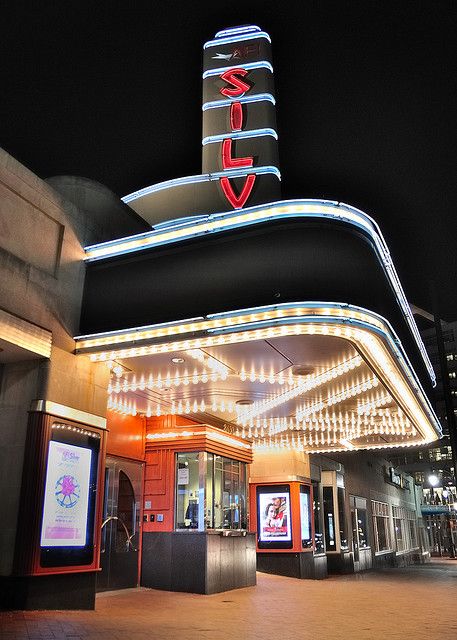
236,116
238,86
236,124
231,163
238,202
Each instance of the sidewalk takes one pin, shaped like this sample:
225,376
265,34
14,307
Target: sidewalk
411,604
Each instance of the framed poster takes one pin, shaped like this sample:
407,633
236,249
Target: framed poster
66,497
67,525
274,517
305,518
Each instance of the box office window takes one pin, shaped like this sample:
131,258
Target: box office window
210,492
381,526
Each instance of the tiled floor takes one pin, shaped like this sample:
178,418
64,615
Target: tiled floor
412,604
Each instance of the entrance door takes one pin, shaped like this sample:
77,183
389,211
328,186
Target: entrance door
120,526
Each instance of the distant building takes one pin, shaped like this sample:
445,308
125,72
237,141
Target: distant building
432,465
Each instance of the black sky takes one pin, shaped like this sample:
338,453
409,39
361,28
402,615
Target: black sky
366,106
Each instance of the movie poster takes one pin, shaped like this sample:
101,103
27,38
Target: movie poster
304,516
66,496
274,511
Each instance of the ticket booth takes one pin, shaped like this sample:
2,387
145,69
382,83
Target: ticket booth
195,519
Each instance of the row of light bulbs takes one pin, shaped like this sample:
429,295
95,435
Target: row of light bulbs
301,388
219,371
345,430
290,379
349,392
372,405
229,338
315,443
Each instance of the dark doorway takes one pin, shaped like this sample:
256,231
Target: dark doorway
120,526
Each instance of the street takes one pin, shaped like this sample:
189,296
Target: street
413,603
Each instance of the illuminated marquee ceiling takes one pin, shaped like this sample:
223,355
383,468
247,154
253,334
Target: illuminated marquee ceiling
326,378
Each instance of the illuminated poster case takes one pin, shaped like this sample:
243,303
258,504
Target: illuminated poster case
274,529
70,491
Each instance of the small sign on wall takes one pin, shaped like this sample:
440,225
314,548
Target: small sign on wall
183,475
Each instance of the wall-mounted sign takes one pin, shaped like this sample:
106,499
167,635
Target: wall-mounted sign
183,475
239,124
66,497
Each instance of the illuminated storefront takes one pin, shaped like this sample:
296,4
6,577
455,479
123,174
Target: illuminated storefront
247,340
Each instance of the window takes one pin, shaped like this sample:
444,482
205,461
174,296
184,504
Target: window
342,519
329,519
405,526
210,492
359,525
188,495
381,526
319,546
400,541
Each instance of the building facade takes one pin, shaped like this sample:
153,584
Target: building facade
180,371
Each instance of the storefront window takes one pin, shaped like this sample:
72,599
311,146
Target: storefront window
363,528
329,519
381,526
405,525
318,515
342,520
210,492
413,533
398,529
359,521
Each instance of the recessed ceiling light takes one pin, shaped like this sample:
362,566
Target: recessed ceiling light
246,402
302,370
177,360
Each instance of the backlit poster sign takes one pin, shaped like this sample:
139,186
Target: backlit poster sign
274,512
66,499
304,513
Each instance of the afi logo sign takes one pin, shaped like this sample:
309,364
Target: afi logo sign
235,87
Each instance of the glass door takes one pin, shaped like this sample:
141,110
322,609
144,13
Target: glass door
121,525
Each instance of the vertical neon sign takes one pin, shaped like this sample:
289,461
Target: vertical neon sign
237,89
239,136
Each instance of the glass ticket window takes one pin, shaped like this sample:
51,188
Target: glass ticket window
210,492
188,496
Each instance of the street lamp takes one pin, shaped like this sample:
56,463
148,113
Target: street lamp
433,480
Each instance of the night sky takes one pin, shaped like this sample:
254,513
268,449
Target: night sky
366,106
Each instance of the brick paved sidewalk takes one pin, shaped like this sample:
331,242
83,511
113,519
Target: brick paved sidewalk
412,604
